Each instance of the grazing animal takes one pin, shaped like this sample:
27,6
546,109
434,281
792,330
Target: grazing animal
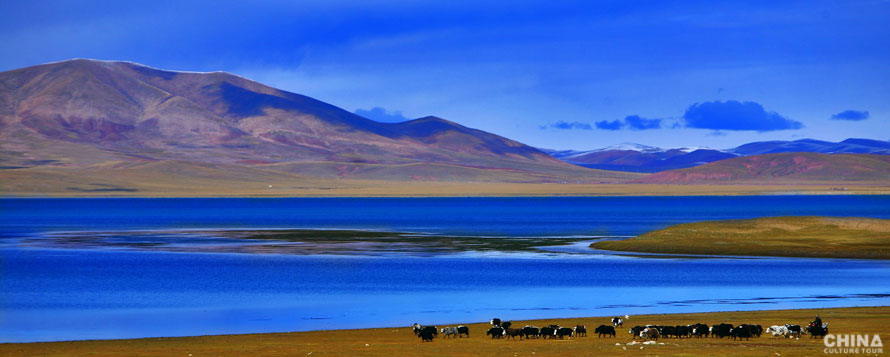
531,331
721,330
495,332
581,330
635,331
700,330
793,330
463,330
564,331
776,331
650,333
817,331
427,333
605,330
682,331
495,321
449,331
513,332
757,330
617,321
506,324
549,331
666,331
741,331
419,328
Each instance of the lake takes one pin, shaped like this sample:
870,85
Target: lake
122,268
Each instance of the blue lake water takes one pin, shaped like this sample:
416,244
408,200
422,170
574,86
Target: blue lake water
87,292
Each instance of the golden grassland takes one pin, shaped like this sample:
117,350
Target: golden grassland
184,179
400,341
121,183
819,237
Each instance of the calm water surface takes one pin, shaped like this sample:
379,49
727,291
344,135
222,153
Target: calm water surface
76,293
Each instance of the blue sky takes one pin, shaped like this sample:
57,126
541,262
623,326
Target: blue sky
564,75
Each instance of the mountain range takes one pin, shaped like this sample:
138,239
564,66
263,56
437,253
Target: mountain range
87,126
80,114
849,146
782,168
630,157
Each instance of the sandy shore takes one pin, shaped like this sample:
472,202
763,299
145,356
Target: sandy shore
400,341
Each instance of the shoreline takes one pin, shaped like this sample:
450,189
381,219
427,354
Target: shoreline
463,189
331,242
388,341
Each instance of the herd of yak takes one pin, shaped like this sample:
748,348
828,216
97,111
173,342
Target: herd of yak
505,330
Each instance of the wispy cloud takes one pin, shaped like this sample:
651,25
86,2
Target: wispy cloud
635,122
735,115
609,125
575,125
852,115
382,115
632,122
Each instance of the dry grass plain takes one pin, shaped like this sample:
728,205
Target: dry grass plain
816,237
400,341
211,182
183,179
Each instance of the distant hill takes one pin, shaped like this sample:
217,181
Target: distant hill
632,157
782,168
849,146
86,113
652,161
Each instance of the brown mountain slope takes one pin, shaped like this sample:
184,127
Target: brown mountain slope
79,113
782,168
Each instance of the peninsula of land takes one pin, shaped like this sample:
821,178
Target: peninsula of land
814,237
